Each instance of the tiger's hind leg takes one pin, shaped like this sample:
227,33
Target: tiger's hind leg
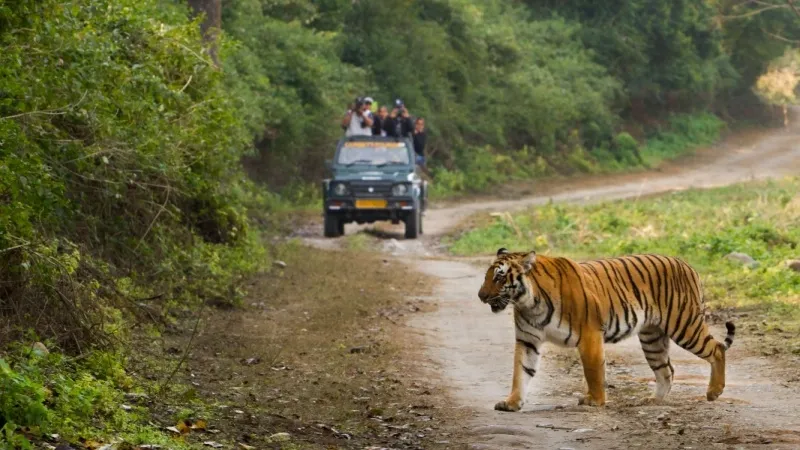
655,344
696,338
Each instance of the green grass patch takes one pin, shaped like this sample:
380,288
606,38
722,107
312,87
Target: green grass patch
81,400
684,134
700,226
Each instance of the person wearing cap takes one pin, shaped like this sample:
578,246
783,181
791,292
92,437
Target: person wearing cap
358,120
400,123
368,101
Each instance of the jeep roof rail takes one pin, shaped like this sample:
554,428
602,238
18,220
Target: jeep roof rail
373,138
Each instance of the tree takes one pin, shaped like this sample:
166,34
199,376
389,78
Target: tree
212,22
667,53
778,85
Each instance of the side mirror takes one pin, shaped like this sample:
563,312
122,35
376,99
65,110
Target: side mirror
329,164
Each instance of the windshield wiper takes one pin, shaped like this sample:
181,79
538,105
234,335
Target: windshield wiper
362,161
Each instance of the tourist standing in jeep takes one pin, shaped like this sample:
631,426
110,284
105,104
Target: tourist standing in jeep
357,121
399,124
380,122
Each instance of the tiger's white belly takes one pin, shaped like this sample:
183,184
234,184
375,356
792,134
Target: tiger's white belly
563,336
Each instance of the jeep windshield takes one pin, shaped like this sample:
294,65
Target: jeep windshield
373,154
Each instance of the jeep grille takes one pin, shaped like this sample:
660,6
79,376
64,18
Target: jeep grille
379,188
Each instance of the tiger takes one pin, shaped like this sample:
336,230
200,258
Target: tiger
586,304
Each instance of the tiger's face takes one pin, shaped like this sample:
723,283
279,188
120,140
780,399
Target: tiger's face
505,281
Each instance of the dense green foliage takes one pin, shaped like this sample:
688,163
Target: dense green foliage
121,191
56,395
758,219
119,145
542,86
656,48
478,73
289,85
479,169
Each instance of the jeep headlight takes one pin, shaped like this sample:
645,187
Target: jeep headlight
399,190
340,189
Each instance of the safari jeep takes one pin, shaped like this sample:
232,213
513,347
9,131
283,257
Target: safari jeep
373,178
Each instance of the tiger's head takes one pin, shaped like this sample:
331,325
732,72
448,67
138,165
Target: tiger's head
505,280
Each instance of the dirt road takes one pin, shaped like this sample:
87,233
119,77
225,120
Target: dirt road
471,348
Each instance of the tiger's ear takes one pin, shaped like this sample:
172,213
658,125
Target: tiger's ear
502,251
529,261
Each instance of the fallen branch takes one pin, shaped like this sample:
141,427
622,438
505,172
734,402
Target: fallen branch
185,351
553,427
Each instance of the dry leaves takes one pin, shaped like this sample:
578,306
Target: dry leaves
187,426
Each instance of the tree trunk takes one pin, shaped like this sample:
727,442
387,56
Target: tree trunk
785,116
212,23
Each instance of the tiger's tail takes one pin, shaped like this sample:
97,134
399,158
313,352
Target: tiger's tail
729,337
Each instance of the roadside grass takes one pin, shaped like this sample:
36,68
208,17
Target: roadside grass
482,169
701,226
685,134
318,351
358,241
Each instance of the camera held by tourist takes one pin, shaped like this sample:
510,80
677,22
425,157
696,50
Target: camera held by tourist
400,123
358,120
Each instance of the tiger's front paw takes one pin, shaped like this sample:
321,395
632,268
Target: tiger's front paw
508,406
713,393
589,400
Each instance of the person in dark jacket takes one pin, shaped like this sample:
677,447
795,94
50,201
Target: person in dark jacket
399,123
419,137
380,121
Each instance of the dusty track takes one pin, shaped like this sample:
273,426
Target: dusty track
472,349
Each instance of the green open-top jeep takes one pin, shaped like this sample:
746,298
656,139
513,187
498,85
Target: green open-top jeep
373,178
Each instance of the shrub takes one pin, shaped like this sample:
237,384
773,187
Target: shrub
120,157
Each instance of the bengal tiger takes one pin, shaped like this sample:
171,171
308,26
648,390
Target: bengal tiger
587,304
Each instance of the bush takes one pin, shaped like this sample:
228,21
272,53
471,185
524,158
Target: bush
684,133
626,150
52,394
121,198
120,157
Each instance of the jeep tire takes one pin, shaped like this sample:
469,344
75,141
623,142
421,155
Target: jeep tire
413,224
333,226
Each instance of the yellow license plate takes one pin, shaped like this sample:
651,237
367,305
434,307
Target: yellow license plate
370,204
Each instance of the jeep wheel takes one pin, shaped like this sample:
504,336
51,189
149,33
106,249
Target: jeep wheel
413,225
333,227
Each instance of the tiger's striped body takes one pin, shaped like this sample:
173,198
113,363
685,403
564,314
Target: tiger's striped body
588,304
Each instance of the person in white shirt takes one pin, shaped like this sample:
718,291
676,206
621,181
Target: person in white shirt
358,120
